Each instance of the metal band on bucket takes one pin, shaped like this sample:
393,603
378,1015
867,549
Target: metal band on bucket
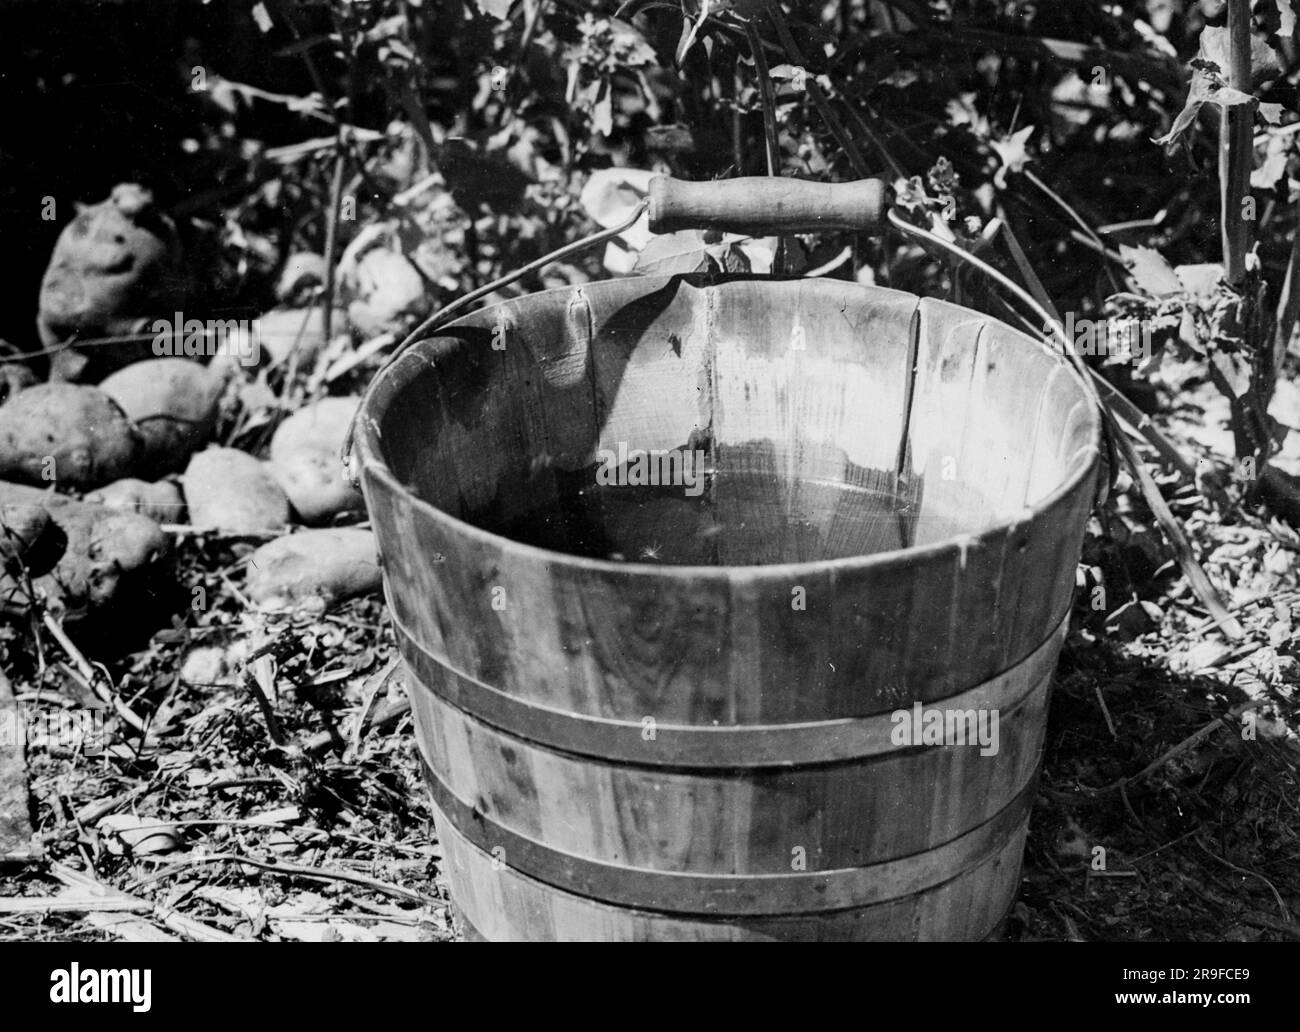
703,746
728,894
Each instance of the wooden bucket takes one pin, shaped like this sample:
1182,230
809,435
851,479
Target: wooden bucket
713,738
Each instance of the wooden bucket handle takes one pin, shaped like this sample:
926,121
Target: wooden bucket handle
768,206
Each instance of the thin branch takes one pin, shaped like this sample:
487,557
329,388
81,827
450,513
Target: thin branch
293,870
1078,219
860,124
818,97
331,239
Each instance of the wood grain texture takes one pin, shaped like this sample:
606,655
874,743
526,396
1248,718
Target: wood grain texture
503,904
767,206
541,672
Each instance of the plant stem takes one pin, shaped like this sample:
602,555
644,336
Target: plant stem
771,131
1236,148
771,134
331,237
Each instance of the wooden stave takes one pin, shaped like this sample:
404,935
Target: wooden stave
695,746
733,637
502,904
844,815
672,890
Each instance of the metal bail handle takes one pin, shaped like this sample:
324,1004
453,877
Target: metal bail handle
768,205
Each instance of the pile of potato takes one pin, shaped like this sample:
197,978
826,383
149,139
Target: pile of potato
138,449
105,464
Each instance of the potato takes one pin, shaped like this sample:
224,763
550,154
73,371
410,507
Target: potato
305,460
206,667
161,501
173,403
128,833
229,490
14,377
70,435
21,526
313,568
303,271
109,544
280,330
114,265
388,293
90,560
22,529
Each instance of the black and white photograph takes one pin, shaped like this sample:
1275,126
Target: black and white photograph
650,471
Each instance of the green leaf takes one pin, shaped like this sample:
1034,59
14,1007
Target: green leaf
609,198
690,30
1150,272
1209,83
734,260
1208,87
1216,47
759,252
629,45
611,194
1273,167
1287,15
747,8
1235,370
1013,153
499,9
674,254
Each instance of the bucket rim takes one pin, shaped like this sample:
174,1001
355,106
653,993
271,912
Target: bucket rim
388,382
